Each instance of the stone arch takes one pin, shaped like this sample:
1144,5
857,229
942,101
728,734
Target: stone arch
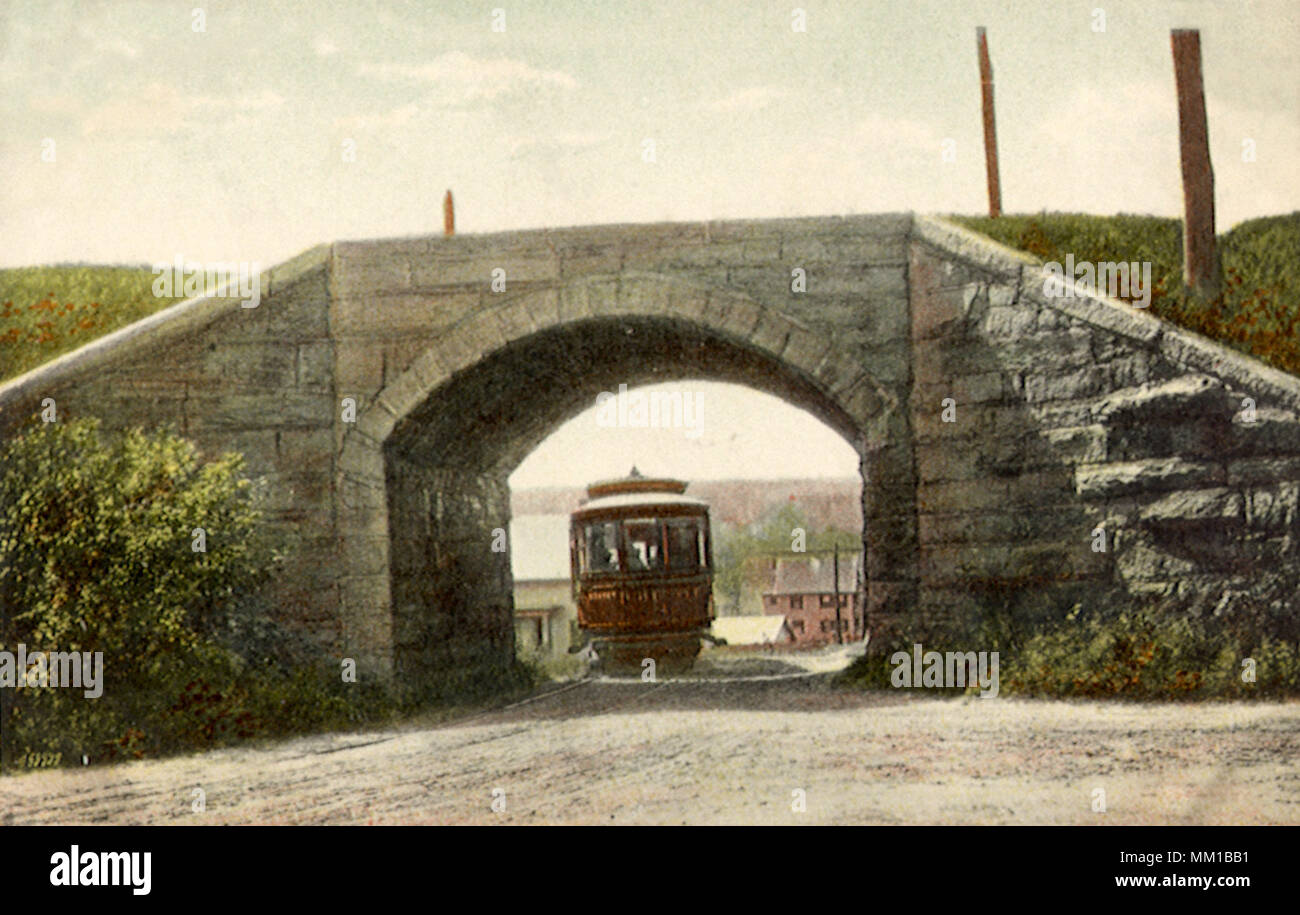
422,475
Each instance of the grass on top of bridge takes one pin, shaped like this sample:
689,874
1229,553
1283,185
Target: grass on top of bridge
48,311
1258,310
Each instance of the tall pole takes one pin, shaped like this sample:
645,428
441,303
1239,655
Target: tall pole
1200,260
839,628
448,215
990,131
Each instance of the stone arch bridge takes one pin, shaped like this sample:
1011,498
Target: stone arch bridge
1068,415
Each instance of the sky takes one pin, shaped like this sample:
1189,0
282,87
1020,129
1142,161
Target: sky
278,126
723,431
233,131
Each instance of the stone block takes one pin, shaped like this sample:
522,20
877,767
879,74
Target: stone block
1078,444
936,312
1122,478
1262,470
1189,396
315,368
1009,321
1066,385
1272,432
1195,507
962,496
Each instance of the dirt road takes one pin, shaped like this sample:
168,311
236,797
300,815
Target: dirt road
726,751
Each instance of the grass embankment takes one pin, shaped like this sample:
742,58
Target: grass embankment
48,311
1258,311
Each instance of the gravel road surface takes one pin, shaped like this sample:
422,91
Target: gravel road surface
790,750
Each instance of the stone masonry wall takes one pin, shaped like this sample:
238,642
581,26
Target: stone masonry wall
452,594
1071,415
258,381
412,317
1074,416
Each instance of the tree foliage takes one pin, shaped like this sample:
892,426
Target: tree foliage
774,534
97,542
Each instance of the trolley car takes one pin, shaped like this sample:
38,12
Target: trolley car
642,566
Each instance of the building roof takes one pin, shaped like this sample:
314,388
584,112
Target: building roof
815,574
749,630
539,547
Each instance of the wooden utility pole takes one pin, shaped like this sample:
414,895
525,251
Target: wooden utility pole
1200,259
448,216
839,626
990,131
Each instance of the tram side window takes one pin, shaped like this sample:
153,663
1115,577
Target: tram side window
683,546
645,546
602,547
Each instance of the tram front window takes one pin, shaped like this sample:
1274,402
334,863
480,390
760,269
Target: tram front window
602,547
683,546
645,549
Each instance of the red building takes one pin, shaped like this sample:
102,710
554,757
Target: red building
803,591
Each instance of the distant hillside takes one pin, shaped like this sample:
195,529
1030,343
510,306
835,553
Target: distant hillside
825,503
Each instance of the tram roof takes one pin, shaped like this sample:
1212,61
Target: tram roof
650,500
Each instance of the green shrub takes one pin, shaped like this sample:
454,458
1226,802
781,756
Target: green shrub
96,542
97,555
1145,655
1136,654
542,667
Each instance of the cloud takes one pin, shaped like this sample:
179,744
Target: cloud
877,163
557,142
58,103
754,98
1118,142
262,101
324,47
157,108
394,117
900,136
458,79
108,44
160,109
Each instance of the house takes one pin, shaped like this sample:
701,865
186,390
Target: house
803,590
752,630
546,617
